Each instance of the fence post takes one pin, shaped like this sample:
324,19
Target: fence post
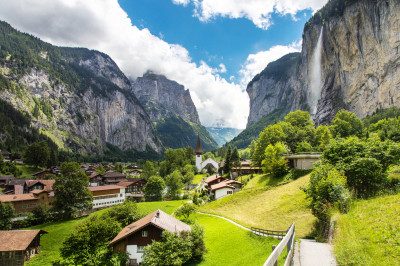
276,262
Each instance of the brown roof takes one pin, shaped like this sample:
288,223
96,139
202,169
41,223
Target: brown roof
94,175
126,183
17,240
213,178
108,187
221,185
6,177
38,191
48,184
198,150
18,197
113,174
159,219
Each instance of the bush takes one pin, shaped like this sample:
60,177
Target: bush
366,177
185,210
6,214
125,213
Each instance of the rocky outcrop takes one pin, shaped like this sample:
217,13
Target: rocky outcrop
164,98
77,97
360,64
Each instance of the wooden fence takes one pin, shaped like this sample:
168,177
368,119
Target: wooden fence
288,241
264,232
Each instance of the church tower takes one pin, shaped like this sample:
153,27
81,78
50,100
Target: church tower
198,152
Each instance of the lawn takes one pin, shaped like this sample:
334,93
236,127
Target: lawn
50,243
370,233
228,244
27,170
197,178
261,181
274,208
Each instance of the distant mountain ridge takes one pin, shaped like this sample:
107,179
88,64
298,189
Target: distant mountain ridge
223,135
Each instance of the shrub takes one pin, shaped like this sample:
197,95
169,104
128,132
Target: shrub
125,213
6,214
274,163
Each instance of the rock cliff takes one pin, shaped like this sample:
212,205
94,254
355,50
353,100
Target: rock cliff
77,97
359,64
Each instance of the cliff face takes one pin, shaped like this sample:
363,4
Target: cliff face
164,98
359,64
79,98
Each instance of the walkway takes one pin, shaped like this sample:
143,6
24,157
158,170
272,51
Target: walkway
229,220
312,253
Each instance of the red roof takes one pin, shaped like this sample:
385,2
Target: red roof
48,184
225,183
159,219
213,178
17,197
17,240
101,188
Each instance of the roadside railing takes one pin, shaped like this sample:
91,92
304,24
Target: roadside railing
264,232
288,241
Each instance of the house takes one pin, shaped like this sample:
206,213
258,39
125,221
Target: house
5,180
135,172
212,180
302,161
44,173
6,155
105,196
15,186
29,202
133,188
95,179
200,164
245,168
112,178
224,188
134,237
38,185
16,247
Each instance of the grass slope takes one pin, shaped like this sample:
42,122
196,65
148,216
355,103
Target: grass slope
50,243
370,233
228,244
268,208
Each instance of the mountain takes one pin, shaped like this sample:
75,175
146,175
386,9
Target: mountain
349,60
223,134
172,111
76,97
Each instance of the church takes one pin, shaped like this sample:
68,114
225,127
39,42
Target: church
200,164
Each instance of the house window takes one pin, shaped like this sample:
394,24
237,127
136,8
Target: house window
229,192
140,249
144,233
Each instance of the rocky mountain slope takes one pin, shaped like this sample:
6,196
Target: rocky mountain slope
77,97
172,111
350,59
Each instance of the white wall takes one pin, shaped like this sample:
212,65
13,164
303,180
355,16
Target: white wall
211,161
113,200
305,163
198,162
222,192
133,254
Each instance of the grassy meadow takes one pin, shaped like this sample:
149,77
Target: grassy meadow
197,178
228,244
369,233
274,208
28,170
50,243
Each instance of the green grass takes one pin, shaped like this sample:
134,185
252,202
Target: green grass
268,208
228,244
50,243
262,181
198,178
370,233
27,170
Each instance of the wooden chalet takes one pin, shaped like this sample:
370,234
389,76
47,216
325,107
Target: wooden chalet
29,202
31,185
6,155
212,180
16,247
133,188
134,237
44,173
6,180
113,178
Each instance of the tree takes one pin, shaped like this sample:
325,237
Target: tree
303,146
41,215
185,210
6,214
228,163
346,124
235,158
100,170
118,167
52,159
322,137
274,163
148,170
87,244
270,135
174,184
71,191
125,213
208,155
1,161
37,154
153,190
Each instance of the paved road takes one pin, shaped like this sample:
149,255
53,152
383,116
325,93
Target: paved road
312,253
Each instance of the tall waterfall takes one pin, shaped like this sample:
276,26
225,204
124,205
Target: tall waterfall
316,75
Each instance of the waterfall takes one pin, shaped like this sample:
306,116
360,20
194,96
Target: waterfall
316,75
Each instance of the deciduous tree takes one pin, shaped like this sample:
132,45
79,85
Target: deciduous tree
153,190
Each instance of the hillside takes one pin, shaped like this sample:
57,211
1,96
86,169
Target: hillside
223,135
273,208
369,233
78,98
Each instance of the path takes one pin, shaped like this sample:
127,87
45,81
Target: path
312,253
229,220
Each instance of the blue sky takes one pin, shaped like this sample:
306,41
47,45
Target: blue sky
212,47
224,40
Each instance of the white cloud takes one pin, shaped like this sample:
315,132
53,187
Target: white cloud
255,63
104,26
258,11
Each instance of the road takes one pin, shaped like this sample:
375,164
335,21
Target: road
312,253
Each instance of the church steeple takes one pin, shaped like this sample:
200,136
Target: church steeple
199,150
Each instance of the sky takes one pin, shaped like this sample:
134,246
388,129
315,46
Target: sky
212,47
